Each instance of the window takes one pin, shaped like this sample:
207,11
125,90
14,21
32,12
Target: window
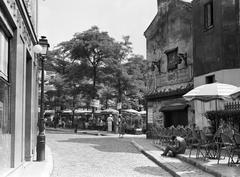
5,124
210,79
172,58
3,55
208,15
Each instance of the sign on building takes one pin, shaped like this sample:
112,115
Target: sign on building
150,115
119,105
95,103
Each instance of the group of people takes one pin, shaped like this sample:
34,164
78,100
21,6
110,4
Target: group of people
121,123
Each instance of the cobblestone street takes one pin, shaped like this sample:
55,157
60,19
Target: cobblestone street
78,155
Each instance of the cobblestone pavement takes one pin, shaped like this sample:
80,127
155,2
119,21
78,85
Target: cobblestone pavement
98,156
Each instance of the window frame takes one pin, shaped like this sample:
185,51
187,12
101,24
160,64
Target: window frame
208,15
170,62
6,46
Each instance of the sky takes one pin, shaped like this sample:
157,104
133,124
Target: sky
59,20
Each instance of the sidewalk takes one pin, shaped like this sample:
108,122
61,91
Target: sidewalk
34,168
183,165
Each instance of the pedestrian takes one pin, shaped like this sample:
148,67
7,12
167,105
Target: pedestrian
123,126
109,121
101,124
75,124
178,147
56,120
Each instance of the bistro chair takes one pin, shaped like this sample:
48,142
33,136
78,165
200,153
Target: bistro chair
235,149
174,131
183,132
159,134
167,136
208,145
188,138
226,146
194,143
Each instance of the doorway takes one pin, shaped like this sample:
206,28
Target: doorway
176,117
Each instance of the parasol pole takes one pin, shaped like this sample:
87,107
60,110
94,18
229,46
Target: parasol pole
216,105
216,122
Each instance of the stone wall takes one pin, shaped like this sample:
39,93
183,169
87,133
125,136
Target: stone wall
170,30
216,48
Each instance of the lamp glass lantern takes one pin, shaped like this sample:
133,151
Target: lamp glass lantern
43,42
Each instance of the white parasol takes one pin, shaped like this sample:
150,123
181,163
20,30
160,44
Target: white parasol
130,111
236,93
210,92
110,110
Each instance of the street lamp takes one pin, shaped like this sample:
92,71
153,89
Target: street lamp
41,49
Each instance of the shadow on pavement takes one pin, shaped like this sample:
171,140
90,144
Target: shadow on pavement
59,131
105,144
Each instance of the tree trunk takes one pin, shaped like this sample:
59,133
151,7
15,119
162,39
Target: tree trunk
94,87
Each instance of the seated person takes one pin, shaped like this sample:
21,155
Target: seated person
179,147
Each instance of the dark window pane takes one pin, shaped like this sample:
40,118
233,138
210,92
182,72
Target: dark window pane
208,15
5,137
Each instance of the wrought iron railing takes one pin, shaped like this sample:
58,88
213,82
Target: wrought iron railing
232,105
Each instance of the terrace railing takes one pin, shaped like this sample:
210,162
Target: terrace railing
232,106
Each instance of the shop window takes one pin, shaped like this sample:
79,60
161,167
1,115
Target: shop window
5,137
3,55
172,58
5,124
208,15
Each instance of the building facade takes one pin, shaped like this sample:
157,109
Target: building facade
215,48
18,80
169,52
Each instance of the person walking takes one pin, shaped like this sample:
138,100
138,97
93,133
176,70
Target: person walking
75,124
56,120
109,121
123,126
101,124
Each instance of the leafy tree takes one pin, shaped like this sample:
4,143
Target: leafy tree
114,74
92,48
136,67
92,64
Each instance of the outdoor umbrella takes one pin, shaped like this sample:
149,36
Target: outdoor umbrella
236,93
142,112
210,92
130,111
110,110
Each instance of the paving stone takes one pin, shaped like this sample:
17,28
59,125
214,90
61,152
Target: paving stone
98,156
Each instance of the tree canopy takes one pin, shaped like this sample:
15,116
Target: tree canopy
94,65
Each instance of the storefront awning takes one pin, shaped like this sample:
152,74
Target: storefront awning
174,106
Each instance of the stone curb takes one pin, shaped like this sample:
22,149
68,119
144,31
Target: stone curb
93,133
194,163
151,157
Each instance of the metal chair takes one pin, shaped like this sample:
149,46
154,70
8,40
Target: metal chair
235,150
194,142
226,146
209,145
